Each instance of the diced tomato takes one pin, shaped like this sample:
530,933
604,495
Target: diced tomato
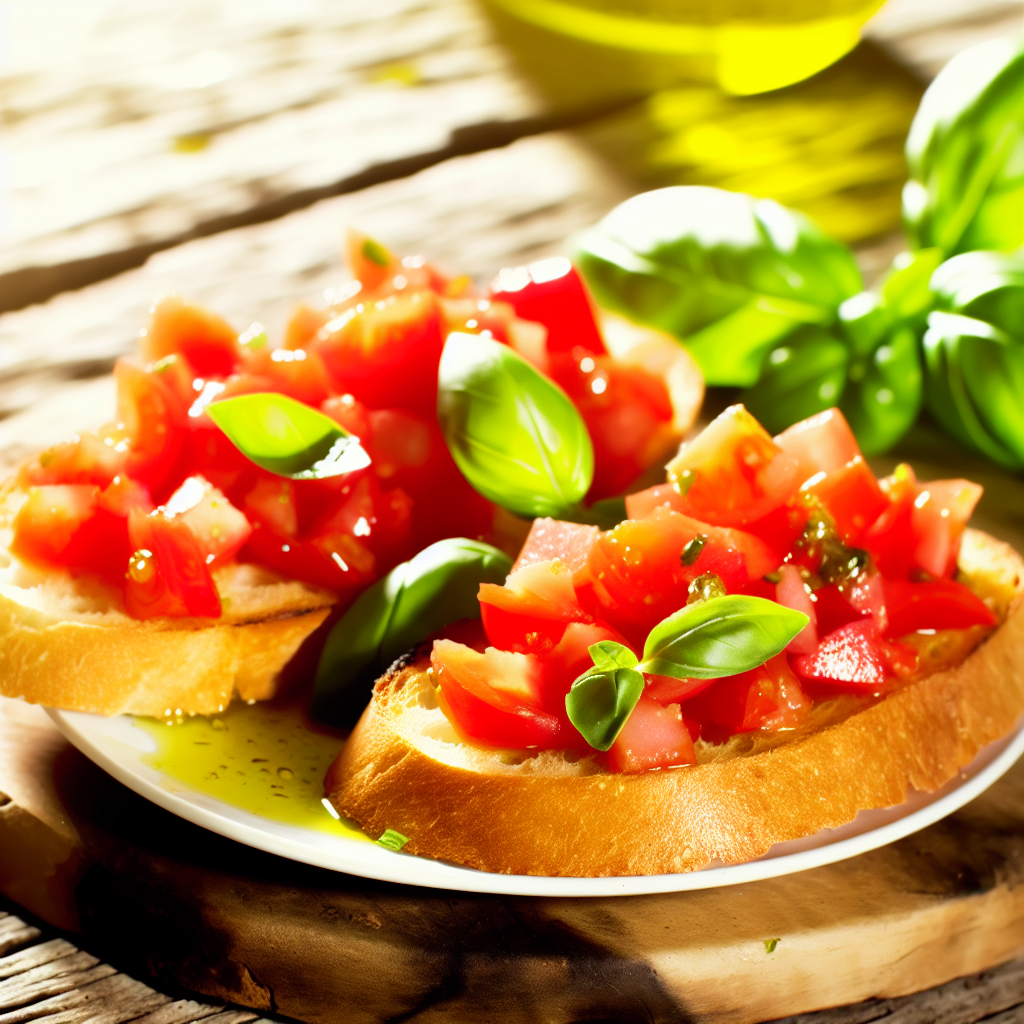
291,371
386,354
569,659
639,575
890,539
49,519
820,444
856,657
530,611
767,698
866,596
83,459
668,690
641,504
781,528
734,473
124,494
494,698
169,574
303,325
627,411
552,293
150,414
832,609
209,343
852,497
480,316
941,511
937,604
271,504
791,592
548,538
381,273
351,414
654,736
219,528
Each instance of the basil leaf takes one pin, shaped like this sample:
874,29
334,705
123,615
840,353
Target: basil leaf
600,702
906,292
609,655
803,376
721,637
288,438
964,153
514,434
731,276
417,598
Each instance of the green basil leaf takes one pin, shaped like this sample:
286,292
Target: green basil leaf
990,395
515,435
286,437
417,598
729,275
884,391
600,702
906,291
987,286
721,637
965,153
608,655
803,376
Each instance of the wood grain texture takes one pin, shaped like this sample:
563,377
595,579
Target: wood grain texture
169,901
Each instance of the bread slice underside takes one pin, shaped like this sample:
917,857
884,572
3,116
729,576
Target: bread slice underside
551,813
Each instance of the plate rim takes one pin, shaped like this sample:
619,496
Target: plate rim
388,866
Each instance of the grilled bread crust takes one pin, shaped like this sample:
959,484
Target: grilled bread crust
404,768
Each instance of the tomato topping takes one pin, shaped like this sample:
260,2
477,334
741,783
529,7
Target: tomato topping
734,473
641,570
548,538
856,657
938,604
890,539
209,343
272,504
168,573
669,690
290,371
654,736
793,593
494,698
84,459
219,528
767,698
628,413
551,292
569,659
820,444
851,495
47,522
941,511
386,353
529,612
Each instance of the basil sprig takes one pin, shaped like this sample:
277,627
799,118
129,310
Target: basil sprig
514,434
287,437
417,598
705,640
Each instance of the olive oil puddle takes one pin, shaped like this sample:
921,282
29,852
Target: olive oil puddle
259,758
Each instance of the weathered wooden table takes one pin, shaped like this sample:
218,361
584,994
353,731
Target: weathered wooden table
219,149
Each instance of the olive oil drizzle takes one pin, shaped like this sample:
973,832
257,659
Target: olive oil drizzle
262,758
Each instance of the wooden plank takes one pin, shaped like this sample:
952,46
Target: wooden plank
473,214
70,973
13,931
26,959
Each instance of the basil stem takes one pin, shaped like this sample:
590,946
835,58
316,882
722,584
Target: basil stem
417,598
287,437
514,434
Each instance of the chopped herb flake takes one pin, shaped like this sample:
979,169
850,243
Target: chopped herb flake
376,253
693,548
392,840
772,577
770,944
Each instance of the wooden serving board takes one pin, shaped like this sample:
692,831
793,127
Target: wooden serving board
165,899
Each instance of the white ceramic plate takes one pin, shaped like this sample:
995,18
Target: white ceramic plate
121,749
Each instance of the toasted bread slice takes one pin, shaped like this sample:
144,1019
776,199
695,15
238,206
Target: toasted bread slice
547,814
66,642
